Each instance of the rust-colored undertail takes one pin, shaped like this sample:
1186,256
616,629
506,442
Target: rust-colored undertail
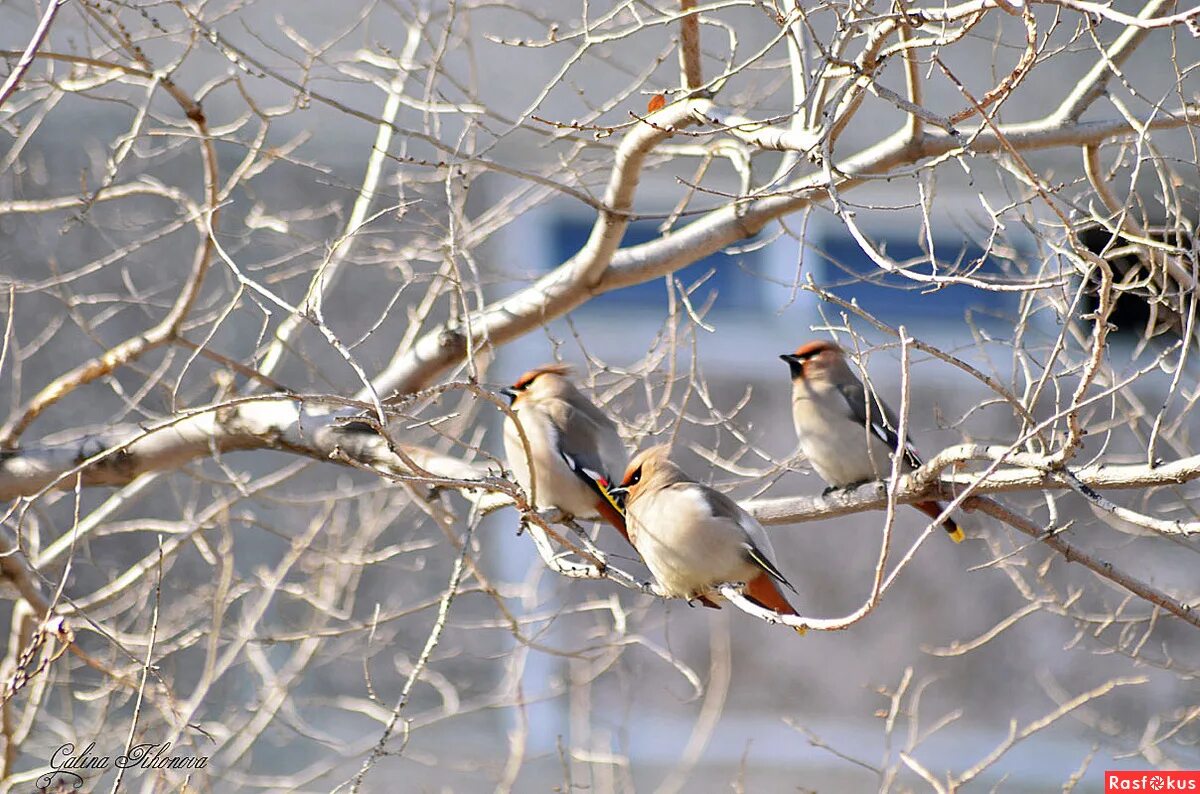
612,515
606,505
933,510
763,591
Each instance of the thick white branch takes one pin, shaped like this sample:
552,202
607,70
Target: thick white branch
592,272
117,455
310,428
558,292
1029,474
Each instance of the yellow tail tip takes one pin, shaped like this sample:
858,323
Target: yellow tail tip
800,630
957,535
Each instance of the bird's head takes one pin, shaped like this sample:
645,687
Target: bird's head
814,360
651,468
545,381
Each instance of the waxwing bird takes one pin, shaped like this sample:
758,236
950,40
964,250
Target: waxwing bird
693,538
575,450
847,432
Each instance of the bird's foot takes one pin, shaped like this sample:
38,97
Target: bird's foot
842,488
847,488
654,589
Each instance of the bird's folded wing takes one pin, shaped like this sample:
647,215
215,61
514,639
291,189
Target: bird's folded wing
581,442
878,417
757,544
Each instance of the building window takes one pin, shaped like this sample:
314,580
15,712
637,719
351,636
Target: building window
841,267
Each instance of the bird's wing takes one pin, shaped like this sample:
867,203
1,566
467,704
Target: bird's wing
584,440
757,544
879,418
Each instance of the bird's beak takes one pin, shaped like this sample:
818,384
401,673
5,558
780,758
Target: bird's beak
795,364
790,358
619,495
511,394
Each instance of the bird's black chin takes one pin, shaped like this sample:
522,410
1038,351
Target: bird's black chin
511,394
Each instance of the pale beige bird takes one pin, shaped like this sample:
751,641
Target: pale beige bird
848,433
575,448
693,537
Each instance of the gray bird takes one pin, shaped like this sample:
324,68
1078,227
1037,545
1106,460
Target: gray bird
846,432
575,448
693,538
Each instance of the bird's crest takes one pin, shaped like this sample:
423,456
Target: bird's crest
815,347
546,369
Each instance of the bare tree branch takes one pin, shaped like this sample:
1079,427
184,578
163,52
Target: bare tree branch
27,56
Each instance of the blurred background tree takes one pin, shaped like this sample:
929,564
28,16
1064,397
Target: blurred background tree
236,233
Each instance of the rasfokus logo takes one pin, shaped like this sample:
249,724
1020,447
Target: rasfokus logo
1141,780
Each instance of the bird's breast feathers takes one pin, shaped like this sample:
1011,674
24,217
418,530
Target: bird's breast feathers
557,485
686,547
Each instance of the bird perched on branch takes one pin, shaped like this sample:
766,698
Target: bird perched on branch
846,431
694,538
574,448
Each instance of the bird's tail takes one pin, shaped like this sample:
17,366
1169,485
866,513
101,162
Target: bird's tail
763,591
933,510
609,512
606,505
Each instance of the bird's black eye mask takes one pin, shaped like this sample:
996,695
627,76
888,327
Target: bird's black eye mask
623,490
620,495
514,391
796,363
